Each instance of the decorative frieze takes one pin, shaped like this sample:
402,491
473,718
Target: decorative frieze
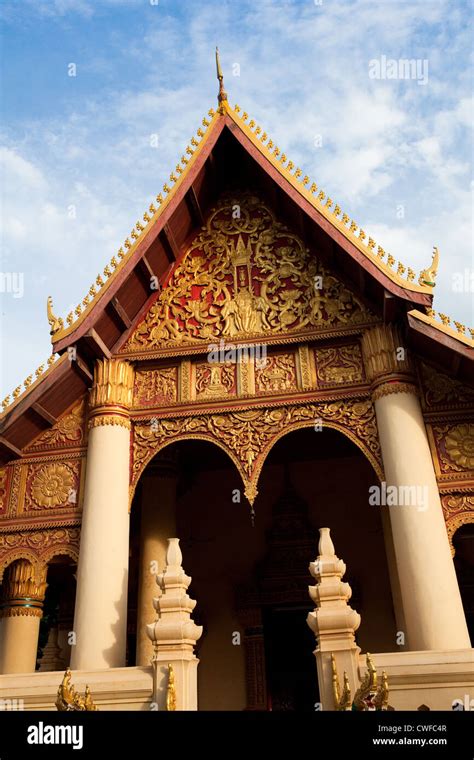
277,375
155,387
339,365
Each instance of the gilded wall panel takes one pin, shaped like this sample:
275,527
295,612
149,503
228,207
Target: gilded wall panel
245,275
339,365
214,380
69,430
277,374
453,449
155,387
52,485
439,391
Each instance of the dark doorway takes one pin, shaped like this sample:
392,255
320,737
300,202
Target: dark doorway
289,659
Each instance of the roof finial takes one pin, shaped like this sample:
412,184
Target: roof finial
428,275
222,96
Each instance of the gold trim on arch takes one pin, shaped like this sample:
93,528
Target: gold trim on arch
247,436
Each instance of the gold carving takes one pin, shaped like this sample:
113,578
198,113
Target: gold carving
21,590
341,364
215,380
428,275
157,386
245,274
442,389
3,489
458,510
246,377
278,374
52,485
68,700
459,444
171,691
113,383
342,701
38,544
305,367
453,503
185,380
68,429
247,436
394,386
382,348
110,419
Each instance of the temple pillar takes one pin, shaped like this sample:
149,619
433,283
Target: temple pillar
174,633
21,610
432,607
333,622
158,521
102,576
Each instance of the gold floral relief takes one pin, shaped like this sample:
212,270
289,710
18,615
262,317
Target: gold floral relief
66,431
213,380
245,274
455,446
155,387
278,374
441,390
339,364
52,485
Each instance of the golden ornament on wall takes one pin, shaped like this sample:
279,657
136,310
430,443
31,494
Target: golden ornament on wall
459,444
69,429
52,485
245,274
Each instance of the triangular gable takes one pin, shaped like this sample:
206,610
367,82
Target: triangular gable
245,276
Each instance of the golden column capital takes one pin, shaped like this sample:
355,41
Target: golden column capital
22,593
111,395
387,362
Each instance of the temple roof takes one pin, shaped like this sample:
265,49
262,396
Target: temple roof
228,147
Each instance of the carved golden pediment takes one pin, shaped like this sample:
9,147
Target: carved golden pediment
245,275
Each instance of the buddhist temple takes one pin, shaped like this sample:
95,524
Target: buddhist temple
244,478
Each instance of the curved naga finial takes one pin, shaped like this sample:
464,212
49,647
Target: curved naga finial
68,700
428,276
342,702
56,323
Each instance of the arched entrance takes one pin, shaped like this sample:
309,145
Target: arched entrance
251,581
463,543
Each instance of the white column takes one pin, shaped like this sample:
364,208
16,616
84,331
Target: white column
100,618
432,606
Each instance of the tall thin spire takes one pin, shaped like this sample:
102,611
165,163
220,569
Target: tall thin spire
222,96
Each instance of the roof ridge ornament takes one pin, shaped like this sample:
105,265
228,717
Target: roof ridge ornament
428,275
56,323
222,95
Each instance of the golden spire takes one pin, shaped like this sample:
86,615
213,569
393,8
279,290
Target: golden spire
222,96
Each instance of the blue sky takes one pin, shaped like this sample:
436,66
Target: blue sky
395,154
